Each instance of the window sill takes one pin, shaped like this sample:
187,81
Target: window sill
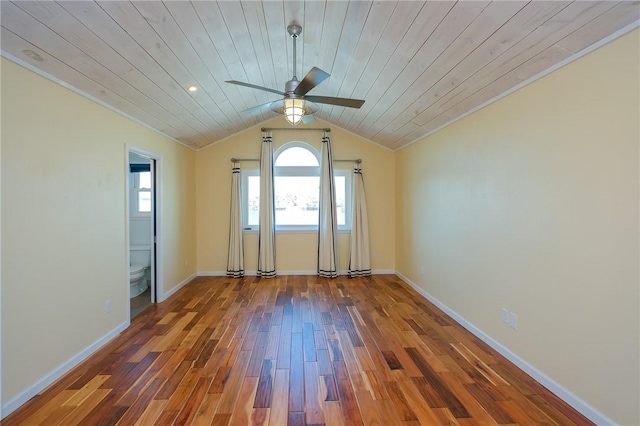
295,231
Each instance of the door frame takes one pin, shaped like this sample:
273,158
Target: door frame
155,223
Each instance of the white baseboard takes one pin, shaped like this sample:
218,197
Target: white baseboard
564,394
301,272
181,284
59,371
211,274
383,272
252,273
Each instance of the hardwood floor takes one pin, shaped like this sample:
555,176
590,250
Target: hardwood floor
295,350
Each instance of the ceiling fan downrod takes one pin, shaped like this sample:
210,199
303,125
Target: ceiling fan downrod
294,30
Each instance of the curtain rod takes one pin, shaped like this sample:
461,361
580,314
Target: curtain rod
267,129
235,160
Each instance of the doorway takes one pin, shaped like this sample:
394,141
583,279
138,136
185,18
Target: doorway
142,235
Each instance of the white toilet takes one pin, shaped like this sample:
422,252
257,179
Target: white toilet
140,261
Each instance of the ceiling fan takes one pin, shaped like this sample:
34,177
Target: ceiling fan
296,105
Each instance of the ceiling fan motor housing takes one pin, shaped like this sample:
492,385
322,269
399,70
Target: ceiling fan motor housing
290,87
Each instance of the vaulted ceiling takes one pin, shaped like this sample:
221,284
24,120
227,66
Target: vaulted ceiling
418,65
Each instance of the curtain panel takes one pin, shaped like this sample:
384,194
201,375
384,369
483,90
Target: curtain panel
327,221
359,254
235,258
267,222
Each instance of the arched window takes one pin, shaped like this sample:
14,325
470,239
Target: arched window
296,190
296,185
296,154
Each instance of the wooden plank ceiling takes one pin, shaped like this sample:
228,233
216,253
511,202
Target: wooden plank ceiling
418,65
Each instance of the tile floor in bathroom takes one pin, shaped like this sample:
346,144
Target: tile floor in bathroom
140,302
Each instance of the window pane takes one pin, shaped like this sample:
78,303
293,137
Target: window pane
341,199
144,201
144,181
296,200
296,156
253,197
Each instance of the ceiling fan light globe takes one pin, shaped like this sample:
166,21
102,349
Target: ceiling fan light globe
294,110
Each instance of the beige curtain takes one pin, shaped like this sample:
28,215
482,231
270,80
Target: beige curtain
235,259
267,222
327,223
359,254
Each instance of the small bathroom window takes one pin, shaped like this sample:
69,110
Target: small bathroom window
142,192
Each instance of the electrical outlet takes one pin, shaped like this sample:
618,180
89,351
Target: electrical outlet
505,315
107,306
513,320
421,269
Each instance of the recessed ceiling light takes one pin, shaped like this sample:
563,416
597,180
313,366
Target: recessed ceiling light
33,55
192,88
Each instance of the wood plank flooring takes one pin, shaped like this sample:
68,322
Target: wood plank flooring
296,350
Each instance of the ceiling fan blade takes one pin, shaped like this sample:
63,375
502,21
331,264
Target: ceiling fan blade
306,119
258,107
345,102
311,80
253,86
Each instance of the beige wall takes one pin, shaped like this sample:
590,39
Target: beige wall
294,251
63,222
531,204
1,411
